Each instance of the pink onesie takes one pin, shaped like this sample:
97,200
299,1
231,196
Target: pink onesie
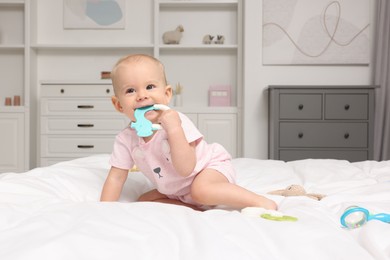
153,159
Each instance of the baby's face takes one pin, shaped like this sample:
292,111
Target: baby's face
139,84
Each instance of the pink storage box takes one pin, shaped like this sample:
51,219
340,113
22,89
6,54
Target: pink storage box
220,96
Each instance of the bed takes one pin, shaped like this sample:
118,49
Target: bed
54,213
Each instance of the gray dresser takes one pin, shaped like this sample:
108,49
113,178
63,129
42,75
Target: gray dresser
334,122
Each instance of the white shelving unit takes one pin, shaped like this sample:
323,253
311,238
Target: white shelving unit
14,74
43,51
197,66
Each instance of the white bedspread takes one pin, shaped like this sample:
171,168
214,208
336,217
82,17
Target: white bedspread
54,213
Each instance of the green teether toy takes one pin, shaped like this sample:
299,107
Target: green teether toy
267,214
278,218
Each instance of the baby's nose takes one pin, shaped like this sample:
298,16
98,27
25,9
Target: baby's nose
141,95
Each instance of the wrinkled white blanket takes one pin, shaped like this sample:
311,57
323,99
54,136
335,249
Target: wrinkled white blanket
54,213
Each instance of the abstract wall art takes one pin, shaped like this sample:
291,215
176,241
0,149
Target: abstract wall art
94,14
316,32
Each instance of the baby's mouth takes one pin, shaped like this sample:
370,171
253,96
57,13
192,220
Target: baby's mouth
144,107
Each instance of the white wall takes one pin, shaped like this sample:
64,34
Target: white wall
257,77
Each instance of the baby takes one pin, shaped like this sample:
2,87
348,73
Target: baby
184,168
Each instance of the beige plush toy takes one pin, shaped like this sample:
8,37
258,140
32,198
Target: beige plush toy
296,190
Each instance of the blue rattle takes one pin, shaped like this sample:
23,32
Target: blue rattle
354,217
143,126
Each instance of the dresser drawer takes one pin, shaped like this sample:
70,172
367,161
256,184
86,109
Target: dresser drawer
350,155
300,106
346,106
83,125
75,146
323,134
61,106
77,90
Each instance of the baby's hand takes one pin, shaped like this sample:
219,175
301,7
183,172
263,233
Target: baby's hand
170,120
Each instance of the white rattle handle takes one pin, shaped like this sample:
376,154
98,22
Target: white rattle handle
159,107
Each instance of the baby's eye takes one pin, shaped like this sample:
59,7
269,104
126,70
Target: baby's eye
130,90
150,86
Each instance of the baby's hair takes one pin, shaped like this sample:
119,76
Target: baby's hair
137,58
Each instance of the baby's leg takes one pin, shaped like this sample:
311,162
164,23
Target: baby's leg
156,196
211,187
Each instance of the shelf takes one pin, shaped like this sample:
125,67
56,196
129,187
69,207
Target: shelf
12,109
4,3
223,14
124,47
189,3
197,46
91,46
11,47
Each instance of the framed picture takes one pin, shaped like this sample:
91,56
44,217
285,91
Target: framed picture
316,32
94,14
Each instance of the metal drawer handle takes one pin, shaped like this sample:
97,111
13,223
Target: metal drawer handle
346,107
300,135
300,107
346,135
85,125
85,146
85,106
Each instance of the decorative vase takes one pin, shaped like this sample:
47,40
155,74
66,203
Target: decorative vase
178,100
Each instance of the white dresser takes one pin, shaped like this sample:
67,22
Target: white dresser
77,120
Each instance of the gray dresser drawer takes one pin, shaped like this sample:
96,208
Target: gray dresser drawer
346,106
300,106
323,134
351,155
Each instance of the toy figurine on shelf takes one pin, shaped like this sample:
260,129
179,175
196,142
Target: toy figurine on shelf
220,39
208,39
173,37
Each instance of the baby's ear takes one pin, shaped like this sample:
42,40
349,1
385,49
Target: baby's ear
117,104
168,92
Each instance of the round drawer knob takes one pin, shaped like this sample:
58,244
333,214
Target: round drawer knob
300,107
300,135
62,91
346,135
346,107
108,91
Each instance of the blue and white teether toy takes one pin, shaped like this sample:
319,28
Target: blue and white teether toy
354,217
143,126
